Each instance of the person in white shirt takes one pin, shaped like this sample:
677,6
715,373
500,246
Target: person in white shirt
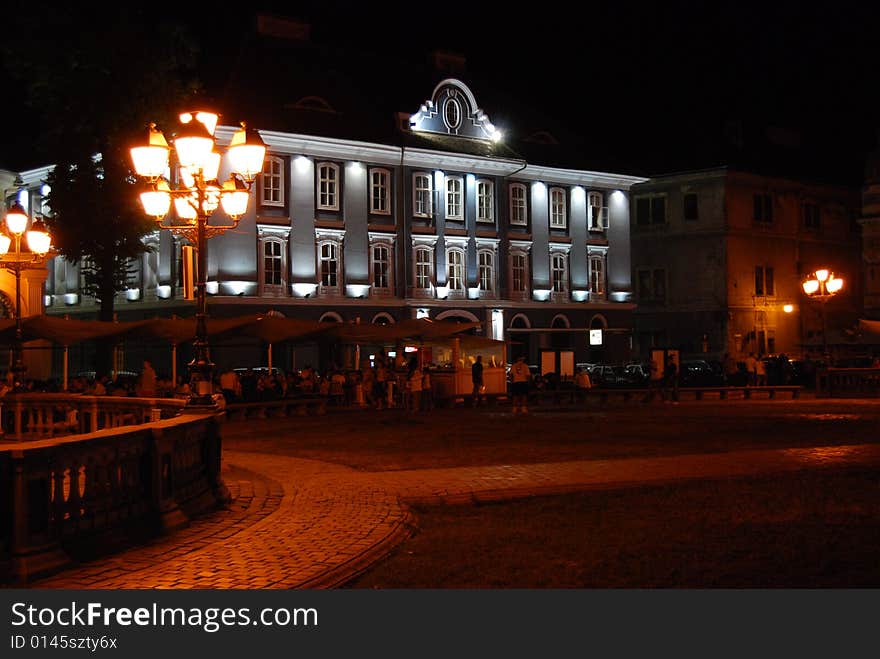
519,385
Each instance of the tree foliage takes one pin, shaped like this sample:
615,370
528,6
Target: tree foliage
96,76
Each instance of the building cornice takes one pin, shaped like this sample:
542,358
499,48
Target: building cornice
589,179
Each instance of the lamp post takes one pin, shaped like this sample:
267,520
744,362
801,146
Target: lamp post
822,285
39,242
191,183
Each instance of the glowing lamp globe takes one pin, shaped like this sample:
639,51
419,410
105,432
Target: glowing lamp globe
185,210
151,161
38,238
16,219
234,199
811,286
834,284
246,153
157,202
194,146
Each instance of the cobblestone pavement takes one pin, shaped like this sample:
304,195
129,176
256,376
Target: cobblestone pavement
297,523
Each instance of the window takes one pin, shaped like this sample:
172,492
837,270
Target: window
763,211
329,262
518,208
272,263
691,207
380,186
485,201
422,193
651,209
424,261
328,186
381,255
651,285
559,272
598,214
519,271
486,270
453,198
452,113
557,208
597,275
272,182
455,270
811,216
764,283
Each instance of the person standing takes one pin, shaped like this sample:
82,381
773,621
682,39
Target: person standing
751,369
519,385
477,380
760,373
146,386
414,382
583,384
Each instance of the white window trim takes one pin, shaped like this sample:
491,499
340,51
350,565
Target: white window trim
429,211
428,243
387,241
460,214
600,255
594,224
270,233
490,186
561,250
525,204
263,200
457,292
493,255
336,180
336,237
387,175
564,223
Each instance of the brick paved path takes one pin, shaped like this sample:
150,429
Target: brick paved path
298,523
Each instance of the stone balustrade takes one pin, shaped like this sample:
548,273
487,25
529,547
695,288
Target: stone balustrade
849,383
62,497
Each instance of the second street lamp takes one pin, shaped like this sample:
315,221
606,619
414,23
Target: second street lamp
39,243
193,186
822,285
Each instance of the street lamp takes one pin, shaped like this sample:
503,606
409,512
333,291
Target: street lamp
39,243
191,183
822,285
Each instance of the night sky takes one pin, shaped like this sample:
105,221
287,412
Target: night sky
654,83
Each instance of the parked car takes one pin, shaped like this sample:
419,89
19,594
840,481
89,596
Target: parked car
698,373
605,375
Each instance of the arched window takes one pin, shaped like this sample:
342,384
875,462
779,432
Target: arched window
597,276
424,266
328,264
330,317
380,255
486,271
328,186
272,182
383,318
559,272
455,272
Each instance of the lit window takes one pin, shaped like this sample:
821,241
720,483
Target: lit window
486,270
557,208
559,272
518,208
328,186
485,201
380,186
272,182
422,192
381,267
424,260
455,270
453,197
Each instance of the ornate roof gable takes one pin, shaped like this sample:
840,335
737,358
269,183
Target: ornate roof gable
452,110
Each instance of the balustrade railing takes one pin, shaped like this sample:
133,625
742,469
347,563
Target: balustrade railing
61,497
849,382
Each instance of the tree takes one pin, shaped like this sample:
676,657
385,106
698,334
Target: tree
95,76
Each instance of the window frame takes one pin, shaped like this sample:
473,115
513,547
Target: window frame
650,199
594,223
811,225
320,180
762,208
429,194
386,173
513,207
461,267
601,259
330,288
388,289
564,206
430,264
490,252
271,161
565,275
459,216
485,191
685,206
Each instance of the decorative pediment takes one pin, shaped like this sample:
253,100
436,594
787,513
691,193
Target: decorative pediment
452,110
